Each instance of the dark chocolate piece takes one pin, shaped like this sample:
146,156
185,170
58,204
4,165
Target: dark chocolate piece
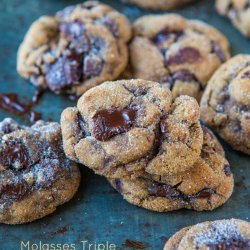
185,55
166,34
111,122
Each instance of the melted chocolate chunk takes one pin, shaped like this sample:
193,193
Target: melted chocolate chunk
92,66
183,75
166,34
80,46
167,191
163,190
37,95
10,102
218,51
227,170
233,244
205,193
64,72
14,191
79,41
246,75
185,55
111,122
14,155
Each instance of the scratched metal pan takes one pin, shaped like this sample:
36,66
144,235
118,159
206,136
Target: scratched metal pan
98,213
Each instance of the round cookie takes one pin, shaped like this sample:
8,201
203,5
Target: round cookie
126,122
206,186
220,234
159,4
225,105
238,11
35,175
78,48
180,54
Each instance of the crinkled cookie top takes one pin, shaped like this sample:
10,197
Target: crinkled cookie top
181,54
78,48
124,122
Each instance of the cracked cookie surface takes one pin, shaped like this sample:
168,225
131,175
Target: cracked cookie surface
220,234
238,11
78,48
206,186
181,54
159,4
35,175
122,124
225,105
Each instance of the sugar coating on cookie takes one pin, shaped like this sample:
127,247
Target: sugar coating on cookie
78,48
220,234
225,105
206,186
238,11
181,54
129,122
159,4
35,175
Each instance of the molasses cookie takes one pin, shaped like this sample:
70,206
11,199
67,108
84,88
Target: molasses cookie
181,54
220,234
225,105
206,186
159,4
35,175
134,123
238,11
78,48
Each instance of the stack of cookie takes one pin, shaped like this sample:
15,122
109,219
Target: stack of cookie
151,147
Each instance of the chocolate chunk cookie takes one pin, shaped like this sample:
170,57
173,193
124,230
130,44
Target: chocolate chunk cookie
220,234
78,48
35,175
181,54
206,186
238,11
159,4
225,105
129,122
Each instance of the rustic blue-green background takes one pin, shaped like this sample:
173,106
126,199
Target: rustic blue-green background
98,213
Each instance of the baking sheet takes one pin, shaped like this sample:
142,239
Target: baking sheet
98,214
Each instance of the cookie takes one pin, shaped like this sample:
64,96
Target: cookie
159,4
181,54
220,234
128,122
238,11
35,175
78,48
206,186
225,105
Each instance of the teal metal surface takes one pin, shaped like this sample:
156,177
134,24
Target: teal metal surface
98,214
